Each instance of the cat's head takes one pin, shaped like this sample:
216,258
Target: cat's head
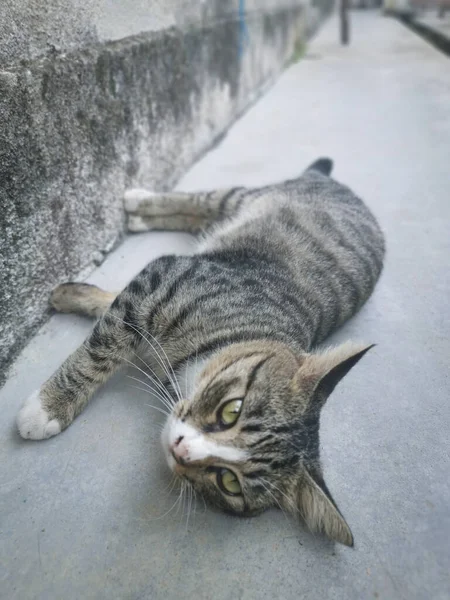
248,439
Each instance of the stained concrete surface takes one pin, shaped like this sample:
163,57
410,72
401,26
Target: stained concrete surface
81,514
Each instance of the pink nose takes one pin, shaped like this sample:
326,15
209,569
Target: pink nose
178,440
179,450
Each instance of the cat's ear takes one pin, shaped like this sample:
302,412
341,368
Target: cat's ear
320,373
313,501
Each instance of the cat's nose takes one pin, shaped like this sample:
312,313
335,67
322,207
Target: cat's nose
179,450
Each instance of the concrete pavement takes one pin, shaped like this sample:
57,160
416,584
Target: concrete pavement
81,514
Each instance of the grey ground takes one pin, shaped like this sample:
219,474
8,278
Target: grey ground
80,514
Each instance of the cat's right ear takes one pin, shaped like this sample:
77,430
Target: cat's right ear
320,373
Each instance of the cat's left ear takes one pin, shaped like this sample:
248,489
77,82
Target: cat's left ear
312,500
320,373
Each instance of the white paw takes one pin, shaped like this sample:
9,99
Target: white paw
132,199
136,224
33,421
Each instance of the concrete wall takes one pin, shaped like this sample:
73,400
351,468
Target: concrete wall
33,28
99,95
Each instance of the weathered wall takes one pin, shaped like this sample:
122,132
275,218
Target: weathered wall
33,28
86,110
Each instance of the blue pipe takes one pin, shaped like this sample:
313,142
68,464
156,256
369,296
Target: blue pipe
243,29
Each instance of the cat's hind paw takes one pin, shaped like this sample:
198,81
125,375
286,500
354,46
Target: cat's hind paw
133,199
136,224
33,420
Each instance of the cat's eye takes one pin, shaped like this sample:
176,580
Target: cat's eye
230,412
228,482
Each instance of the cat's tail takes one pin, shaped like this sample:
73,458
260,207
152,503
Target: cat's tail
322,165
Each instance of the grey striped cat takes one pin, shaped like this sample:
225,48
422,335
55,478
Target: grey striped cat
276,270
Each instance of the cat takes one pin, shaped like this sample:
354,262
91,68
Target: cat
275,271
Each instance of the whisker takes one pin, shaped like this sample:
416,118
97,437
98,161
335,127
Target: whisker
293,507
156,408
151,405
191,504
154,377
174,481
151,390
153,348
196,359
174,381
140,370
188,506
194,500
204,503
146,390
183,488
166,489
274,498
170,509
186,384
169,487
172,378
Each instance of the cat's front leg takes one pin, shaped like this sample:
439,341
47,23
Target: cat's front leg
53,407
115,339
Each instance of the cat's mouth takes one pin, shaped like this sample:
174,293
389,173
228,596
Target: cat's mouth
178,459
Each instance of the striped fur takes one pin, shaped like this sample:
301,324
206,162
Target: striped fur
277,269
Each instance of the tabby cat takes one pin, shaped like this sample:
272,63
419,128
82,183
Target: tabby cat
275,271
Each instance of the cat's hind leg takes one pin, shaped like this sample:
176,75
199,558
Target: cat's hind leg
179,211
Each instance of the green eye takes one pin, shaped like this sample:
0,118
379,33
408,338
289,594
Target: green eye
230,412
228,482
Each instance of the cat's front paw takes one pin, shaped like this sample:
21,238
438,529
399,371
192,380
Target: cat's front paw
33,420
133,199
